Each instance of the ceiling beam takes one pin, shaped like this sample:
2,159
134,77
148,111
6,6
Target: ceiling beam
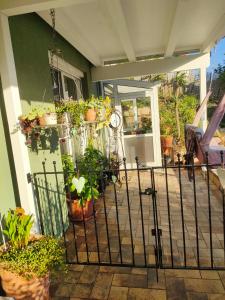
217,33
174,29
166,65
18,7
114,9
74,36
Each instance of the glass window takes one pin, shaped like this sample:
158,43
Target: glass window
136,116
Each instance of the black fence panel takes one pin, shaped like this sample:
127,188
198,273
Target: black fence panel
170,216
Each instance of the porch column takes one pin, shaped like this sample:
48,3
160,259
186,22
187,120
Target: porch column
203,92
13,111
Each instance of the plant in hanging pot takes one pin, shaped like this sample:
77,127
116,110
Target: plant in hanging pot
29,121
27,261
80,199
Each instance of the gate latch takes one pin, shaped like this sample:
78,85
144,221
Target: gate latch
149,191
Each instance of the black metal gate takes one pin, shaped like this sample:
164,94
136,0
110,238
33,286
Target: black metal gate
171,216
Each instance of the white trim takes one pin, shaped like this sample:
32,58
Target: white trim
155,125
60,64
216,34
203,92
164,65
115,11
13,111
74,36
174,30
17,7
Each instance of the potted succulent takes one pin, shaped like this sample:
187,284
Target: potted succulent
80,199
27,261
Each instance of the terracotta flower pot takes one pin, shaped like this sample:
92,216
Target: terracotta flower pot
20,288
77,213
90,115
166,143
48,119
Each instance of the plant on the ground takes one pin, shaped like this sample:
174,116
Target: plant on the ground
92,164
17,227
25,255
68,170
84,190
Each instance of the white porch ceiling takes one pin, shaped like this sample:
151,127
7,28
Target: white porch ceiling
110,30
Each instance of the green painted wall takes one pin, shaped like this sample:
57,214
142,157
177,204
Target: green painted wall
7,192
31,40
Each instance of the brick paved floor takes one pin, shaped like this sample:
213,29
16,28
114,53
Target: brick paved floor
119,283
100,282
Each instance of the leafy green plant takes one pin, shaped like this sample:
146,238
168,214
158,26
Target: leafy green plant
75,109
84,190
40,257
17,227
68,169
92,164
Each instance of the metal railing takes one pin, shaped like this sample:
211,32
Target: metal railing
152,217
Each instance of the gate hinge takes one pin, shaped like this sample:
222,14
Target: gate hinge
149,191
154,232
29,178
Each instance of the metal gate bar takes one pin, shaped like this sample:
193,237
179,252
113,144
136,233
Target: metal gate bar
133,225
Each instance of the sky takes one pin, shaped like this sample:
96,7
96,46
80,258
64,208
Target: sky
217,55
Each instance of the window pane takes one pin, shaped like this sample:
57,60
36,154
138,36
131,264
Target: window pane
144,115
70,88
57,85
128,112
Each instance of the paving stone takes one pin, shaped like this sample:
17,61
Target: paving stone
216,297
197,296
152,279
63,290
123,270
175,289
146,294
204,286
89,274
183,273
130,280
77,268
118,293
139,271
81,290
102,286
209,275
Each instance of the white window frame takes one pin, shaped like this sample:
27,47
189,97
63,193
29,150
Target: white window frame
65,69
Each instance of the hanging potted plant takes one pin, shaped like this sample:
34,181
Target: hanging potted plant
29,121
27,261
80,199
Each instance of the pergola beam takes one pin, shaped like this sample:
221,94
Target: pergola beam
115,11
174,30
217,33
18,7
166,65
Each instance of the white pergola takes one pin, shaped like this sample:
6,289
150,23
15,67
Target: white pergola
109,31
